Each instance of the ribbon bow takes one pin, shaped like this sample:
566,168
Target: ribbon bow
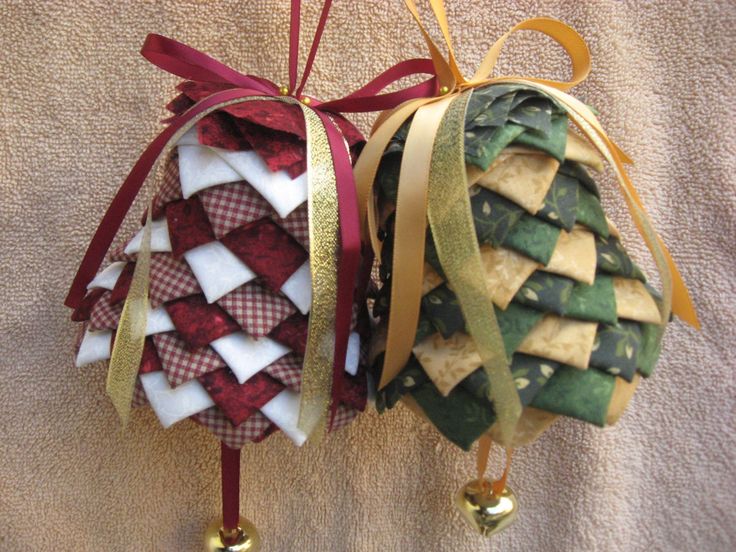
333,228
433,187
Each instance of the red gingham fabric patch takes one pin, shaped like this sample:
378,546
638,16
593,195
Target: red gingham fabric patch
287,370
258,310
170,188
117,252
105,316
251,429
139,395
229,206
182,365
343,417
170,279
296,223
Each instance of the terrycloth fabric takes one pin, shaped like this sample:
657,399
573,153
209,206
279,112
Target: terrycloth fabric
78,105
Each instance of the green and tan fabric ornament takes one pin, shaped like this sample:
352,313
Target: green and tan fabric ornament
507,297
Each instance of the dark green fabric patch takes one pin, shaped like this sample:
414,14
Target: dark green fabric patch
546,292
581,394
534,113
651,346
612,258
410,378
531,374
561,202
460,416
483,144
553,143
534,238
493,215
444,312
387,177
580,173
442,308
616,349
596,302
590,213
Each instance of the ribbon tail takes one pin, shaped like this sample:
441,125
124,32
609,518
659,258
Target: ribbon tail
324,235
453,230
131,333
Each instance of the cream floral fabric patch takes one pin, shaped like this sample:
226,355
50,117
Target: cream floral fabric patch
506,271
634,302
574,256
579,149
524,179
447,361
562,339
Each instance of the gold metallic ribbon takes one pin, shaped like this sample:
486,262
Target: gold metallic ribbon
411,209
324,239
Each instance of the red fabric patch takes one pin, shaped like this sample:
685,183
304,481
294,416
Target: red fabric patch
269,251
180,104
220,131
354,391
150,362
292,332
188,225
254,428
231,205
239,402
279,150
120,291
198,322
83,311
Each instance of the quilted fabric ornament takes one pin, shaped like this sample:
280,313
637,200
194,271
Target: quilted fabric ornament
239,303
507,297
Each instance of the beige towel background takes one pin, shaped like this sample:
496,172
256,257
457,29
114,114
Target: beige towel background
78,105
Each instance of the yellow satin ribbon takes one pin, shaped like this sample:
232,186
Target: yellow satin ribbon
414,182
324,238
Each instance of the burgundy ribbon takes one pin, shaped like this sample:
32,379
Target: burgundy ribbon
191,64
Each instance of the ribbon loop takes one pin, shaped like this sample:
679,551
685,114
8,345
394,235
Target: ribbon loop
565,36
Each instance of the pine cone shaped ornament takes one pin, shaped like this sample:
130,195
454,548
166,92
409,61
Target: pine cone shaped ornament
577,318
507,298
230,283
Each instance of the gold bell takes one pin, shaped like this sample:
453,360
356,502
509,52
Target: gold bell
243,539
487,512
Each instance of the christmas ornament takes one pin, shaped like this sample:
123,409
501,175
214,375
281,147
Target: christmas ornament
240,302
508,298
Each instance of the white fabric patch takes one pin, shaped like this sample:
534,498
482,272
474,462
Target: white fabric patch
247,356
352,358
160,242
298,288
217,269
95,346
200,167
173,405
283,192
108,277
190,138
283,410
158,321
